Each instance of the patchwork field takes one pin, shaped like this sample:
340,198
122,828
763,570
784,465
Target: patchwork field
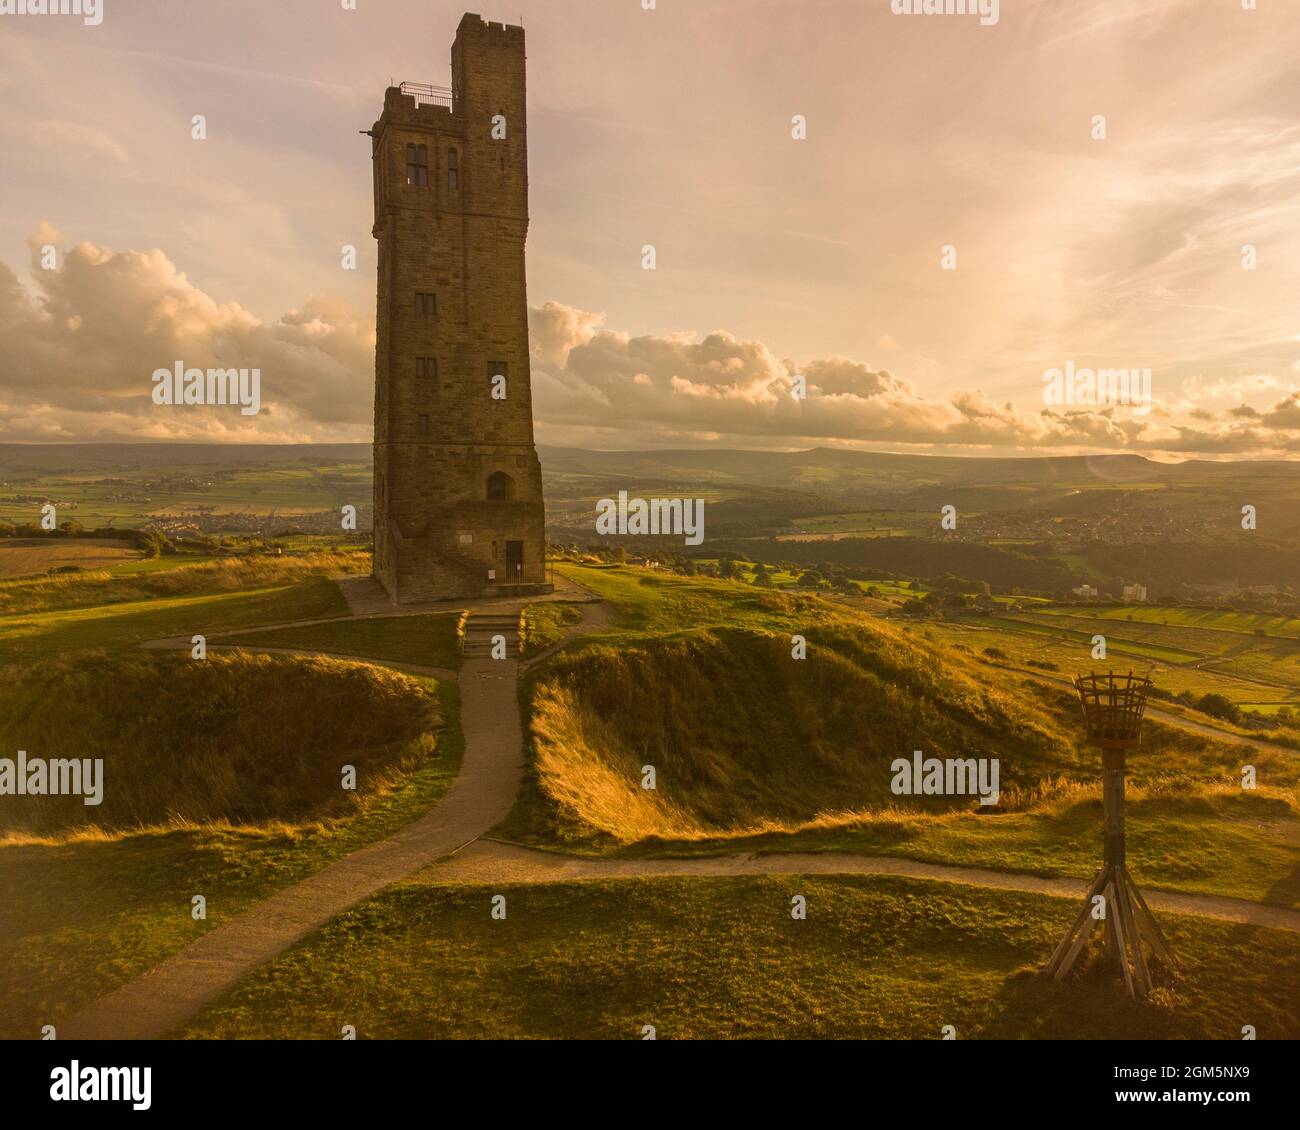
23,557
132,496
1247,657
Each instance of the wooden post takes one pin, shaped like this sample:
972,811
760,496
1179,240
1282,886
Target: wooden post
1112,709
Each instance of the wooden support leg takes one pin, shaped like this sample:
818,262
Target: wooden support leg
1141,975
1081,921
1112,911
1154,933
1110,936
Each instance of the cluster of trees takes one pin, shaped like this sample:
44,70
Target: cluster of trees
149,542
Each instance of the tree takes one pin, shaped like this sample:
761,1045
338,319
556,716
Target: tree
1217,706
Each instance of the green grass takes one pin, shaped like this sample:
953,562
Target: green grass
710,958
425,640
78,919
27,637
182,488
161,564
755,752
234,738
652,603
1083,639
1246,845
1206,619
1071,657
546,623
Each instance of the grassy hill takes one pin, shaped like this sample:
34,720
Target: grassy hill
745,739
755,750
233,739
877,958
222,777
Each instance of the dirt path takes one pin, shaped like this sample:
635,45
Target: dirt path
168,995
489,861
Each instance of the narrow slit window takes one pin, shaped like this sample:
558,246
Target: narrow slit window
453,169
422,425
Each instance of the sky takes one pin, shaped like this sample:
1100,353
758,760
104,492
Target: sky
782,264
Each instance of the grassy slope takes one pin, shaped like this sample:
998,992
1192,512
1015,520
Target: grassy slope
546,623
244,739
705,958
1191,828
192,578
79,919
27,637
427,640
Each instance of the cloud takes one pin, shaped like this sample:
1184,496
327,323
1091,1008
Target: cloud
80,347
79,355
611,387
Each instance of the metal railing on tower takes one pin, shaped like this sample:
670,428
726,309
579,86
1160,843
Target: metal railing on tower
427,95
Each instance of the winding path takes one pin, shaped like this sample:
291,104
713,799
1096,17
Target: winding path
491,861
169,994
161,1000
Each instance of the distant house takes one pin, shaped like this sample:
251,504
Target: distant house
1088,592
1135,594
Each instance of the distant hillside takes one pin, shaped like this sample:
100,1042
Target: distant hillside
65,458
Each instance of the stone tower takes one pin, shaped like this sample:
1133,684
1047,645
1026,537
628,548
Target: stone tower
458,486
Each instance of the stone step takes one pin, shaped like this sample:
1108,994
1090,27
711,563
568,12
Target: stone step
482,630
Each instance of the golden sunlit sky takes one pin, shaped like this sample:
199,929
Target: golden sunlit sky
673,127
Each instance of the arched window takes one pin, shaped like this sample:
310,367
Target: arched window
417,164
500,486
453,169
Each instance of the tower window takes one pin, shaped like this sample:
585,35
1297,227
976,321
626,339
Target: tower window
453,169
500,486
426,305
426,368
417,164
422,425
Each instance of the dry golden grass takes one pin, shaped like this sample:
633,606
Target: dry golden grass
698,682
746,740
233,740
